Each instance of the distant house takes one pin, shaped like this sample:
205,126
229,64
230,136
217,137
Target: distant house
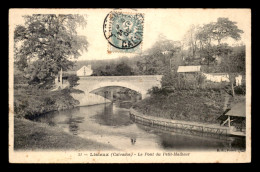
85,71
217,77
189,72
188,69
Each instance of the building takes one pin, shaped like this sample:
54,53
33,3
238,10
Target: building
190,73
236,117
239,80
188,69
217,77
222,77
85,71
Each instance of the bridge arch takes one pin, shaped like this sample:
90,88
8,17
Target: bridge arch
131,86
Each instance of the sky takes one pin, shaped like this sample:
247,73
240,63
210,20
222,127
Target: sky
172,23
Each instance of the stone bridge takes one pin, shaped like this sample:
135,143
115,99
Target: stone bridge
138,83
88,84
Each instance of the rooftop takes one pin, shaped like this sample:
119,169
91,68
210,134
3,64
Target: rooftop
188,69
238,110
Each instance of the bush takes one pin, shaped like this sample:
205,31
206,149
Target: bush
183,82
216,85
160,91
240,89
29,103
49,101
73,80
200,79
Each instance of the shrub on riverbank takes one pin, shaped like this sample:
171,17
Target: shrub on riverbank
29,103
190,105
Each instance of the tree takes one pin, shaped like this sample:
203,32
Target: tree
215,31
233,62
47,42
239,53
157,59
73,80
191,40
123,69
204,37
225,28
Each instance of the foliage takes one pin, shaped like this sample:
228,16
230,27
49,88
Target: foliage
190,40
123,69
200,40
200,79
160,91
19,78
73,80
225,28
44,44
39,74
157,59
216,86
173,81
222,29
232,62
120,69
29,103
240,90
170,79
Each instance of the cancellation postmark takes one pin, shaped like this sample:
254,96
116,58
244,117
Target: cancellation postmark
124,31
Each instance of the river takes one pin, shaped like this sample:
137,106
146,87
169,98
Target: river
111,124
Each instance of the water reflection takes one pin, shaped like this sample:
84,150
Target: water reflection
73,123
113,116
109,124
174,140
133,140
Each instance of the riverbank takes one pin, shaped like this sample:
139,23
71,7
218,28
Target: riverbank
30,135
29,103
179,126
187,105
204,106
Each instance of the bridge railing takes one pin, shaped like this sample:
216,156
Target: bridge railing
124,78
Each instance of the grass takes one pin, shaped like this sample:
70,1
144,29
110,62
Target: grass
189,105
30,135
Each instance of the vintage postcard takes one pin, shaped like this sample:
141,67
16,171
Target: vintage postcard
130,85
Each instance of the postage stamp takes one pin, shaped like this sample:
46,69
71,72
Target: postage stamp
124,31
129,86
